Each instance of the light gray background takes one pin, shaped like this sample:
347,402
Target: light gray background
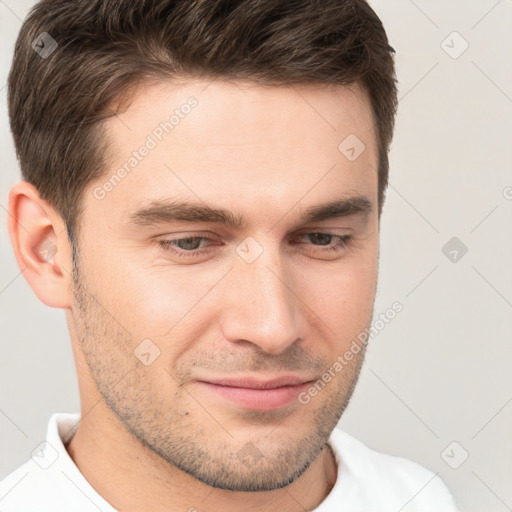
440,371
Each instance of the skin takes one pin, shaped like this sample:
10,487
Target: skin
151,437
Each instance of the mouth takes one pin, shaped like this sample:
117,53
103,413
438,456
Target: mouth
258,394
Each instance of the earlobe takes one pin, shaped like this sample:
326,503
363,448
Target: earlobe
41,245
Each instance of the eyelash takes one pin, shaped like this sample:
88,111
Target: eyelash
167,245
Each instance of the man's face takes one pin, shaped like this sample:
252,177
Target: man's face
276,296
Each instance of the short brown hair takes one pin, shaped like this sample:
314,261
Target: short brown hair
106,47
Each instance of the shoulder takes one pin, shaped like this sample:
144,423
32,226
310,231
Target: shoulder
391,479
26,488
49,481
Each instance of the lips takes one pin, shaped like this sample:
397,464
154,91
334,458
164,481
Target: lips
258,394
253,383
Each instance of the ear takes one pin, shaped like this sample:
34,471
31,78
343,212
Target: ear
40,241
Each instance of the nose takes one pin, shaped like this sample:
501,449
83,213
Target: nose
262,306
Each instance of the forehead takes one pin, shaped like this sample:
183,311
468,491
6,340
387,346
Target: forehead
239,143
238,110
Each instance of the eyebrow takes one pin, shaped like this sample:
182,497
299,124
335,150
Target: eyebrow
172,210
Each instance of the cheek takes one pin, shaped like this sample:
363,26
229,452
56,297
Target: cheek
170,305
158,304
162,303
342,296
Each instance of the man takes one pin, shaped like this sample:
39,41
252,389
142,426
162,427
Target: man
203,183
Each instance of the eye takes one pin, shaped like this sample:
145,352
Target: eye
195,246
324,241
187,246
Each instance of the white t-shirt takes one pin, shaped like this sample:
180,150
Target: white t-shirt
368,481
